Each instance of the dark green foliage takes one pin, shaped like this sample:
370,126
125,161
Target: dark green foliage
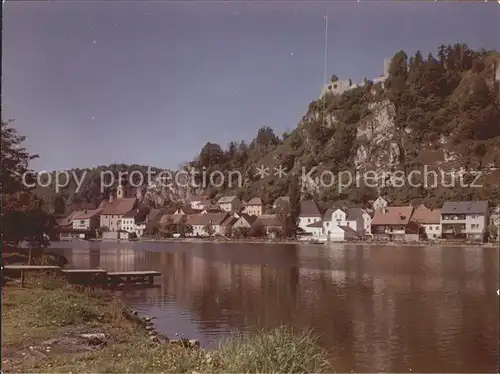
23,216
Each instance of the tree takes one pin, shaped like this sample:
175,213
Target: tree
209,229
23,217
187,229
183,228
211,155
241,232
152,228
265,139
290,220
257,230
494,231
276,232
59,205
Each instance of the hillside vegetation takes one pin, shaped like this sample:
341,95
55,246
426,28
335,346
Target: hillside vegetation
441,112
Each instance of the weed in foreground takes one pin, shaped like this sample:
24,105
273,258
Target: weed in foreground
275,351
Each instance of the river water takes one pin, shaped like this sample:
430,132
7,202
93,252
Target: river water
376,309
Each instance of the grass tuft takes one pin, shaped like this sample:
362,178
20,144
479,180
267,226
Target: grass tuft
275,351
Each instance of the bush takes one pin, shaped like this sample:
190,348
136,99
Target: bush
275,351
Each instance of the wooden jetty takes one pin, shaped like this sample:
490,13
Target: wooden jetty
87,276
127,277
23,269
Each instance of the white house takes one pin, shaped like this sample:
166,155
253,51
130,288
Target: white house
113,211
134,221
367,222
229,203
200,223
338,225
253,207
380,204
429,220
86,220
315,231
309,213
465,219
196,201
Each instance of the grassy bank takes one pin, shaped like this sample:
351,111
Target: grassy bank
50,326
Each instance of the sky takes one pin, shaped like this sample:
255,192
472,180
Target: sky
97,82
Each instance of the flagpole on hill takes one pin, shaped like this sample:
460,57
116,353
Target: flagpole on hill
325,67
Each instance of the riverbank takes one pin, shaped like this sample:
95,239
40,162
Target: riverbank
297,242
50,326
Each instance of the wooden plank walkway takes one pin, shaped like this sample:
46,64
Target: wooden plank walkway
26,268
126,277
90,276
31,267
86,276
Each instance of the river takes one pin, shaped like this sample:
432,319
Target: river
377,309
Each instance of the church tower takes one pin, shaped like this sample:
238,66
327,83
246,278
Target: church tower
119,192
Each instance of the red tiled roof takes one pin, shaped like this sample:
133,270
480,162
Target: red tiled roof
139,214
269,220
229,221
309,208
316,224
348,230
393,215
248,218
86,214
254,201
188,210
119,206
66,221
424,215
227,199
206,219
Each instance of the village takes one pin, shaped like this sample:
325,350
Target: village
128,218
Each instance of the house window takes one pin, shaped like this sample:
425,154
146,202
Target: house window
82,221
330,87
308,220
474,226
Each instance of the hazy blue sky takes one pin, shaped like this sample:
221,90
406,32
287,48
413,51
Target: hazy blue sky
93,83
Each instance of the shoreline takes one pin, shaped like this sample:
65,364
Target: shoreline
298,242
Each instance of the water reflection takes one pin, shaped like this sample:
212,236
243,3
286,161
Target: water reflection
377,309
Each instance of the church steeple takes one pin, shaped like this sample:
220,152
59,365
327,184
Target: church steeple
119,192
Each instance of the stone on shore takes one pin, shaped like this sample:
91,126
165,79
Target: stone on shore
95,339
